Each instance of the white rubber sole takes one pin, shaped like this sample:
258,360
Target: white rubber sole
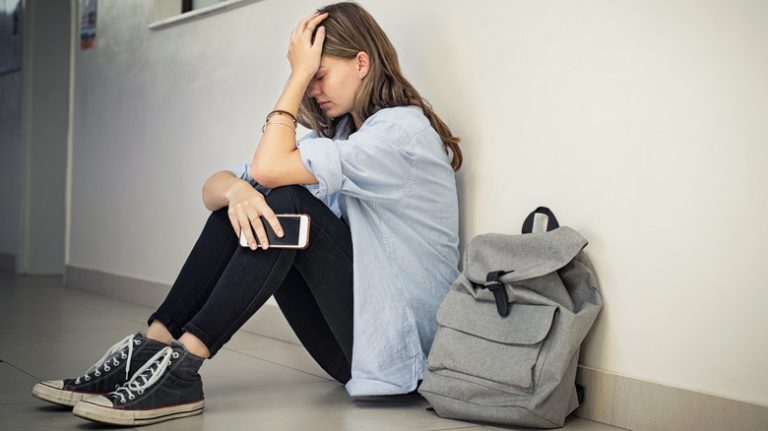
94,411
52,394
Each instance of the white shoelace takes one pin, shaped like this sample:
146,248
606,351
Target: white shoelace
149,373
103,363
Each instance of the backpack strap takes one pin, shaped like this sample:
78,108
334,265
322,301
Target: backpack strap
493,284
551,220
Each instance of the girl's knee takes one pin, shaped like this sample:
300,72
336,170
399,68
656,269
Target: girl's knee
287,198
221,214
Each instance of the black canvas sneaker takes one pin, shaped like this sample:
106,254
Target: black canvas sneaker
107,374
167,387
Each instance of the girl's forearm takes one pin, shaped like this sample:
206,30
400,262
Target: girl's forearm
278,140
293,93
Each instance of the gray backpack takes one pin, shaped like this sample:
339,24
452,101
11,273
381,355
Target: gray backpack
510,329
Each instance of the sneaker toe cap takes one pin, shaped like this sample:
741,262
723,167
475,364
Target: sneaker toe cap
99,400
56,384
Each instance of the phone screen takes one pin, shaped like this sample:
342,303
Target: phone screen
295,232
290,225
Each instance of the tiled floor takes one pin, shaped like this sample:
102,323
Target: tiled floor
48,331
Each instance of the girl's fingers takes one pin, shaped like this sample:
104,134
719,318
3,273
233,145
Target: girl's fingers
260,233
301,44
300,28
319,38
245,224
252,213
271,218
310,23
234,222
304,23
315,21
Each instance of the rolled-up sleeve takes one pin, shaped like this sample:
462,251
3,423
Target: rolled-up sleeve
372,164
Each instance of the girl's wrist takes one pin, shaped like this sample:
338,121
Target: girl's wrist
302,77
293,92
234,188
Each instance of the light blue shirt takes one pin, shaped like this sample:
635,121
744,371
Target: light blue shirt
393,183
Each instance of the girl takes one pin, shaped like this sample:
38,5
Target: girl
376,176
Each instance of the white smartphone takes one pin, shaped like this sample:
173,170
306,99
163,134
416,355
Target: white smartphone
295,230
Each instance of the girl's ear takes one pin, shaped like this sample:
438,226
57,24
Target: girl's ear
362,64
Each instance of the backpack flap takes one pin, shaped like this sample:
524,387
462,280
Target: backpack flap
512,258
462,313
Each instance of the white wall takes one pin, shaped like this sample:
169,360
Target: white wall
642,124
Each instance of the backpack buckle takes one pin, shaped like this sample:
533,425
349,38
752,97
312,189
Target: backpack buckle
493,284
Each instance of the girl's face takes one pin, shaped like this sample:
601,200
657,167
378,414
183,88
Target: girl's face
336,83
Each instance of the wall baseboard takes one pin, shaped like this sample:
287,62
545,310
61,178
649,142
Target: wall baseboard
7,262
640,405
268,320
610,398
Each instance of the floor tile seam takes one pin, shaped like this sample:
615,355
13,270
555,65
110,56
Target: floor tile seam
462,427
278,364
21,369
81,332
18,403
117,301
606,424
79,304
100,296
268,336
97,296
618,428
282,342
139,321
63,411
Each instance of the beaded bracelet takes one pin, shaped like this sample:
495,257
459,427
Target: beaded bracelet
279,111
292,126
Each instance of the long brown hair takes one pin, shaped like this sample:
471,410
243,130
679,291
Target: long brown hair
349,29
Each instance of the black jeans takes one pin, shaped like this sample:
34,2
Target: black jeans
221,285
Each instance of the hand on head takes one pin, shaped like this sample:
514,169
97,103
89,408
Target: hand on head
303,54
